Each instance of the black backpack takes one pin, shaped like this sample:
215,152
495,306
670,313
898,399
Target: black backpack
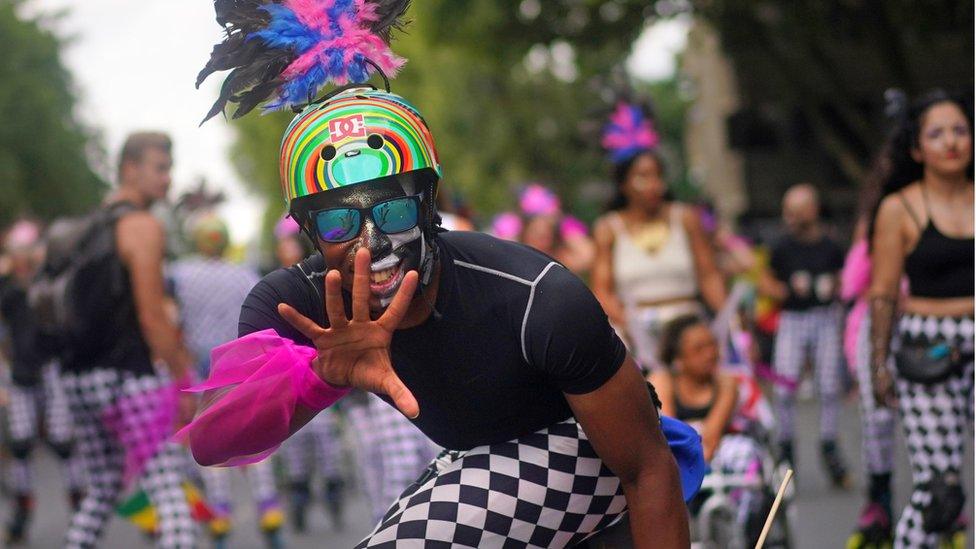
81,279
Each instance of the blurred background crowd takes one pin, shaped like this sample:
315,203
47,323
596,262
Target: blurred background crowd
766,129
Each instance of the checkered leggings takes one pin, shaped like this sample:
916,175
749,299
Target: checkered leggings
546,489
22,427
814,333
877,423
90,394
260,477
318,443
934,418
390,450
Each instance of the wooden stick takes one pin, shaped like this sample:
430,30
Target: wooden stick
772,512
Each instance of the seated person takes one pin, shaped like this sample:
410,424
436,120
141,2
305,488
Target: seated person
691,388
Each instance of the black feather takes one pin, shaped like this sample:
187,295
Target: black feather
255,69
251,98
265,66
390,17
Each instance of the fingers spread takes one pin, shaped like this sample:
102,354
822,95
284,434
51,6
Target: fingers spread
360,285
300,322
335,309
401,302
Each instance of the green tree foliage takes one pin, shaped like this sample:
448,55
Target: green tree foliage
513,90
44,167
812,74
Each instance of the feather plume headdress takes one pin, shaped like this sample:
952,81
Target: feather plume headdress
629,132
284,51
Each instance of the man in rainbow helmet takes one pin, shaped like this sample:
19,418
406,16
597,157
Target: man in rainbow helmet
493,350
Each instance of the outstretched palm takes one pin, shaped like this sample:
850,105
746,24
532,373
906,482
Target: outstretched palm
355,352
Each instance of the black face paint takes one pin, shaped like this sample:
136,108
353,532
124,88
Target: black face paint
392,255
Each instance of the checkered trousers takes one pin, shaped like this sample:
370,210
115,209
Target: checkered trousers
260,478
90,395
49,396
815,334
546,489
317,445
934,417
877,422
390,450
22,425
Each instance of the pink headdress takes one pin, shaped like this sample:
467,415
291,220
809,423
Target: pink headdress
286,227
286,50
536,199
22,235
507,225
628,133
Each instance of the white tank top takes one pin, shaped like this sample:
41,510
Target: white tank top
641,276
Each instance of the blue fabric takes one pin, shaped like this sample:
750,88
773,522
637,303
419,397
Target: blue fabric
685,444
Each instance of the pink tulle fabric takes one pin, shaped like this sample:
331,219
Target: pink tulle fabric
854,281
141,422
256,382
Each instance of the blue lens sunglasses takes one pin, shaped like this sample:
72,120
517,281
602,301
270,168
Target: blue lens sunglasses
391,216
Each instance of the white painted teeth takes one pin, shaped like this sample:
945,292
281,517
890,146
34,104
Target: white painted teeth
380,277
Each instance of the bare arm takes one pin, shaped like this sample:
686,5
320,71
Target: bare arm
770,286
624,429
602,277
664,386
141,244
710,279
887,263
726,397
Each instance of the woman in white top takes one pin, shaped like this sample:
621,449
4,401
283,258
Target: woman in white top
653,258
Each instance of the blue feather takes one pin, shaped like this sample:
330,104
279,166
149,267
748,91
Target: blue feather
286,31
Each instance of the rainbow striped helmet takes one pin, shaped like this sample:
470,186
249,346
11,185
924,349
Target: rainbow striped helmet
358,135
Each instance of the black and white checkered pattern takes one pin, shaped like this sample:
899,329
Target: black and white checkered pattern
934,418
90,394
813,333
260,477
877,423
737,454
547,489
22,428
317,445
390,450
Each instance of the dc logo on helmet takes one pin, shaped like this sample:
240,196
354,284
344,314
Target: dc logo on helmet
349,126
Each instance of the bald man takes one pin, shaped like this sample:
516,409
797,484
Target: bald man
803,276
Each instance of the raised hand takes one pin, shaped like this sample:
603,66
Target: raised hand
355,352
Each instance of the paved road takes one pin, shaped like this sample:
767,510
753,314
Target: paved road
826,516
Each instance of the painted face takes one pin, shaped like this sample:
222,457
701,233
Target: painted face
945,142
698,352
393,255
644,186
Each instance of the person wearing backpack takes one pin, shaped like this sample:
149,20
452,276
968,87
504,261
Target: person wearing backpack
124,408
35,392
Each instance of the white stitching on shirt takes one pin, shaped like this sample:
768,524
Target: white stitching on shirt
531,285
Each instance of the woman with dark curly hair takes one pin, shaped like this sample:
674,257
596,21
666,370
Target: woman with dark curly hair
923,229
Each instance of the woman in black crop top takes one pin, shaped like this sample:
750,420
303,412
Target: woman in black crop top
692,388
923,229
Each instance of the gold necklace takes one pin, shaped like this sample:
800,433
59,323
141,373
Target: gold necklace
652,235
